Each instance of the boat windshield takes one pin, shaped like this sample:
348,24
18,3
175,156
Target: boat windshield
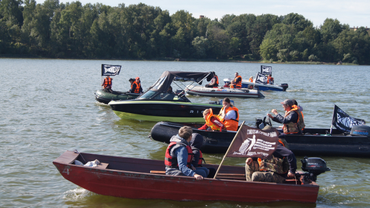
170,96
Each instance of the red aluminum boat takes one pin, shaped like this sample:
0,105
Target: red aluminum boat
132,178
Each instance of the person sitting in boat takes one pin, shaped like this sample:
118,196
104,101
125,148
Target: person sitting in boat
107,84
135,85
276,168
229,115
178,155
292,121
270,79
214,81
212,121
250,79
197,161
300,111
237,82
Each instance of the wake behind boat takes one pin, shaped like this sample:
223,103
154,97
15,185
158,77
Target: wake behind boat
144,179
162,103
223,92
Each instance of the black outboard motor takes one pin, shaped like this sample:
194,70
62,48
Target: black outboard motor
361,130
313,166
284,86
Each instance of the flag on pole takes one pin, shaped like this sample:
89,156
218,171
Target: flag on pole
110,70
261,78
253,142
342,121
266,70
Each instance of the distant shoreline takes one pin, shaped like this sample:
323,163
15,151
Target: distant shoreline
195,60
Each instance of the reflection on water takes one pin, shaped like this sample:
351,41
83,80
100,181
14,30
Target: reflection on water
51,109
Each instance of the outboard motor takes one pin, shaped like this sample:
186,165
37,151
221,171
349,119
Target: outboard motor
361,130
313,166
284,86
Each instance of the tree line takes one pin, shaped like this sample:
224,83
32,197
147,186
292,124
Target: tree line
91,31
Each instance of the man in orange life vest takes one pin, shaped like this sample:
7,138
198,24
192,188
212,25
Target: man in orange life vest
179,155
212,121
229,115
237,82
292,121
270,79
214,81
107,84
135,85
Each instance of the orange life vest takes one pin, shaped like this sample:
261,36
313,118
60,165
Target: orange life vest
210,124
231,124
137,89
270,79
250,79
107,82
171,161
216,79
237,84
293,128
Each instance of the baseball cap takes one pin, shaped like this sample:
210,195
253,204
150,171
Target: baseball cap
287,102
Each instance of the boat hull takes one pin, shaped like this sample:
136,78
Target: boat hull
262,87
162,110
224,92
314,142
105,97
131,178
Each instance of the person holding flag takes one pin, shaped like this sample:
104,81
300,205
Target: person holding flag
277,167
268,160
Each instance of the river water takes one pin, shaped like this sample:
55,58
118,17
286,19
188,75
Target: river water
48,106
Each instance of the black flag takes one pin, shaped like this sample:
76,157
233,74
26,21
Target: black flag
261,79
342,121
266,70
110,70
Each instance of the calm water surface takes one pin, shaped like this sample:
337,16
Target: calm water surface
48,107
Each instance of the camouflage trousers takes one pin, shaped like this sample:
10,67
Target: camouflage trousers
252,173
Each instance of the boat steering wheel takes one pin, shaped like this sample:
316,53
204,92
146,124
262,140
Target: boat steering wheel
268,122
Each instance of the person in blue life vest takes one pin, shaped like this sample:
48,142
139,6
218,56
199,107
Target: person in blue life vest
179,155
198,159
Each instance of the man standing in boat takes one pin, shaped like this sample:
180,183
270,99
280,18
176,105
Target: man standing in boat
107,84
229,115
179,155
292,121
237,82
270,79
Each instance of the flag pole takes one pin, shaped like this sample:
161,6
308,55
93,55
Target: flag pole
332,120
228,149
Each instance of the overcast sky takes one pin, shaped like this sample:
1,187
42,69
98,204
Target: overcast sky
355,13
